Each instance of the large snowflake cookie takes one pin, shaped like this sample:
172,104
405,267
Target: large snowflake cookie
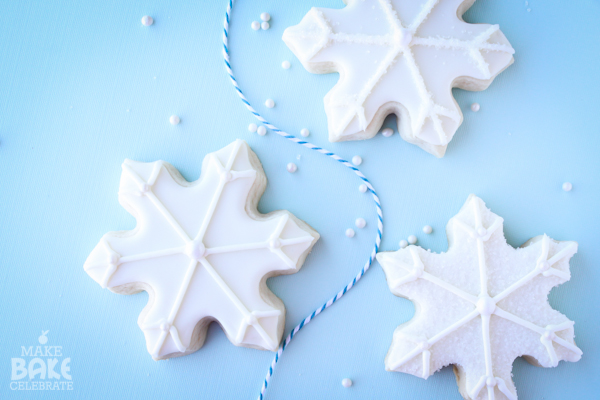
203,252
402,57
480,305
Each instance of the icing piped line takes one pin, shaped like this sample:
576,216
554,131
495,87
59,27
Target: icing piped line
421,17
146,190
439,336
487,306
271,343
335,157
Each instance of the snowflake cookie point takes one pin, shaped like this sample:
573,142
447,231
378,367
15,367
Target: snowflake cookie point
416,57
475,296
202,251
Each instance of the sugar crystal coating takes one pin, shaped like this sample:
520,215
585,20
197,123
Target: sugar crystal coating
481,305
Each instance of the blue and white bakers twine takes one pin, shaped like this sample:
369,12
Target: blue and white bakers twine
322,151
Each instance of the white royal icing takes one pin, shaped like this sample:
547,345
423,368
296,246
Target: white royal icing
480,305
203,252
398,57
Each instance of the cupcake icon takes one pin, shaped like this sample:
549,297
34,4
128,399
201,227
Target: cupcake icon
43,339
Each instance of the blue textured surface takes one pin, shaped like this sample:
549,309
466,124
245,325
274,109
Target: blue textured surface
84,85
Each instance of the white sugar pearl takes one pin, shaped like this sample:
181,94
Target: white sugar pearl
403,243
304,132
350,232
291,167
174,120
360,223
255,25
346,382
265,16
286,64
356,160
265,25
427,229
363,188
387,132
252,127
270,103
475,107
412,239
567,186
147,20
262,131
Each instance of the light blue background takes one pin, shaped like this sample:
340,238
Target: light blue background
83,85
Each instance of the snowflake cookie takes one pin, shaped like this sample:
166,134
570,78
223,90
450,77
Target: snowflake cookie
480,305
203,252
402,57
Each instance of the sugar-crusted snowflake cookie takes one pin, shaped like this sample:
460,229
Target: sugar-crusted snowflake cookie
480,305
203,252
402,57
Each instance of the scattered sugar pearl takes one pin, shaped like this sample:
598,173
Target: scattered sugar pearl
412,239
387,132
304,132
262,131
356,160
360,223
350,232
403,243
255,25
265,25
475,107
427,229
567,186
286,64
270,103
174,120
147,20
265,16
291,167
362,188
346,382
252,127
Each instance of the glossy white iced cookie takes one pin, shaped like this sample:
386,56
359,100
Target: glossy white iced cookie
402,57
203,252
480,305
